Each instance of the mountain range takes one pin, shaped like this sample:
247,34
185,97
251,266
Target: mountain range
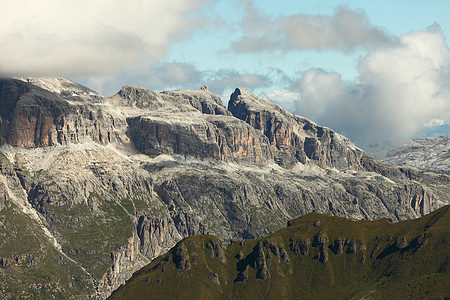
427,153
93,188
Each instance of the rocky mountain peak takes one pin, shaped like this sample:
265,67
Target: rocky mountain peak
175,101
185,122
294,139
137,97
65,88
202,100
242,96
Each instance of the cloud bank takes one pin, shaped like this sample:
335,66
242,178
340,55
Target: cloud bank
67,38
346,30
162,75
400,90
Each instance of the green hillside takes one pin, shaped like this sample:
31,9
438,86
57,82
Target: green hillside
315,257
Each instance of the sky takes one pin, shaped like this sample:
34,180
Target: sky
375,71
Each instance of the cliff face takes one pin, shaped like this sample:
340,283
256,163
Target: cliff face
292,138
34,117
101,186
190,123
219,138
272,134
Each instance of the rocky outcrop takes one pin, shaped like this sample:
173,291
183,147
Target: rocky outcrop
346,245
202,100
123,261
260,259
214,278
180,257
222,138
418,198
293,138
216,250
33,117
257,259
320,241
159,234
260,263
299,246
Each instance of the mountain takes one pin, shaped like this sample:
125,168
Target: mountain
315,257
430,154
98,187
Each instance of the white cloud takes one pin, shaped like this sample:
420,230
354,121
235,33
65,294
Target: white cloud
161,75
222,80
157,76
399,91
67,38
346,30
434,123
284,98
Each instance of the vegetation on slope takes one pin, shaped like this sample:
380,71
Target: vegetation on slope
315,257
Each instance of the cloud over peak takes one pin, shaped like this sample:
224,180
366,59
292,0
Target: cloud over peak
398,92
53,37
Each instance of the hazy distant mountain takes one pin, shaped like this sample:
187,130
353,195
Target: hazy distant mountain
93,188
428,154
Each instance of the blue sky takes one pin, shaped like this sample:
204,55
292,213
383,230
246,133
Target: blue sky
376,71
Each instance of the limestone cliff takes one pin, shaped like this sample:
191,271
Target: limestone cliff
221,137
293,138
33,117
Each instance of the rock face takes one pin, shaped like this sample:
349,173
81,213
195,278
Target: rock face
102,186
221,138
373,257
429,154
33,117
181,257
189,123
202,100
292,138
341,246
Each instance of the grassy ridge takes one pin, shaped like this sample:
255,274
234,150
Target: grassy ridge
316,257
31,268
